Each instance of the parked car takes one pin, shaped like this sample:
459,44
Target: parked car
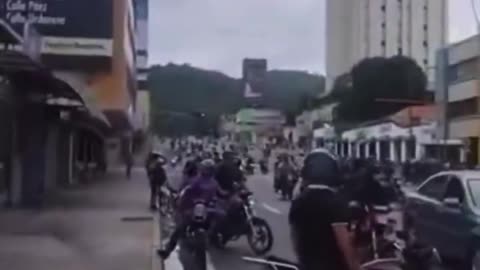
444,211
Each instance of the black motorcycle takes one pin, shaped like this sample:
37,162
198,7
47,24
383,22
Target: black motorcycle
287,185
196,236
263,167
168,199
243,221
411,258
249,167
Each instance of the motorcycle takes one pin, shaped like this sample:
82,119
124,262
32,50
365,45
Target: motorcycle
412,258
375,228
196,236
168,199
249,168
243,221
287,187
263,167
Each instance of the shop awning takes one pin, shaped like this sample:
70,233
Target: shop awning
8,35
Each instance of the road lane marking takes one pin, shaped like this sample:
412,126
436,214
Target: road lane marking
271,209
210,265
173,261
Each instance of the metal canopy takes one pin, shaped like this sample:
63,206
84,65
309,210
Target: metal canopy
8,35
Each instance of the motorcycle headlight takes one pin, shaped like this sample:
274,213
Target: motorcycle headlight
199,211
251,201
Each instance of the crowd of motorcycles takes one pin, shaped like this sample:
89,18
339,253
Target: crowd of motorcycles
379,237
218,222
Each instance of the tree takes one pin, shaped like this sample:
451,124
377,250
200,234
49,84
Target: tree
179,93
377,78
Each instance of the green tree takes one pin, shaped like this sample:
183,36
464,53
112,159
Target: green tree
374,79
180,92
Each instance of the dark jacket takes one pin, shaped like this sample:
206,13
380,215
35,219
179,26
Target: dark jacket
157,174
227,174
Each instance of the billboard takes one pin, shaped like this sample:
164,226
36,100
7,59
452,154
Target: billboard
254,77
67,27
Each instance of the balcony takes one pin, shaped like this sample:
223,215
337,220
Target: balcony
463,90
463,127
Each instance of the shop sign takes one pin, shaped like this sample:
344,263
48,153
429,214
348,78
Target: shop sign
67,27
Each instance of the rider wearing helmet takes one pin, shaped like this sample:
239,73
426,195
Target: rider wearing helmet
190,172
318,217
156,175
228,172
204,188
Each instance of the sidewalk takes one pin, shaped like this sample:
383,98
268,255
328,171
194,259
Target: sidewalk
104,225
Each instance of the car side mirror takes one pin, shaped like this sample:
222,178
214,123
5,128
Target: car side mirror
452,202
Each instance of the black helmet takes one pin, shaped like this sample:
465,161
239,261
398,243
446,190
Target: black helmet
207,168
321,167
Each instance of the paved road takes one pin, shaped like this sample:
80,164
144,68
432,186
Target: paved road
268,206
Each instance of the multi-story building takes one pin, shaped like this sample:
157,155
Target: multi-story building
458,95
357,29
141,41
75,112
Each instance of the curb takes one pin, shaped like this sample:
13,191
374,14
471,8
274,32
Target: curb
157,263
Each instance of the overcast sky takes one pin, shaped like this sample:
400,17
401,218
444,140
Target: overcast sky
218,34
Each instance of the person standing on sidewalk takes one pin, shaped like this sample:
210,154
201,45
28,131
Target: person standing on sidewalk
157,177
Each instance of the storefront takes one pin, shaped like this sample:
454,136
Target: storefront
388,141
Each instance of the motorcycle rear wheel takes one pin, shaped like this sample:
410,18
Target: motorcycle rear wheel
262,235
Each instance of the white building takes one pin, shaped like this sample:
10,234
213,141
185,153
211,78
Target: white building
388,140
458,95
357,29
141,46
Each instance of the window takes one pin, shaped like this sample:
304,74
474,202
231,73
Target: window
474,190
435,187
383,8
455,189
462,107
400,51
383,43
463,71
425,43
425,27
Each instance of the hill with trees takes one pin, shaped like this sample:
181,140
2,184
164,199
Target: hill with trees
186,99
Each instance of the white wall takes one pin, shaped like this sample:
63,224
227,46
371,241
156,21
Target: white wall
339,39
354,31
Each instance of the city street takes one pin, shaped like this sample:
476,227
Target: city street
268,206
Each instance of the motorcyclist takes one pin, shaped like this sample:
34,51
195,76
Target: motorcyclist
156,175
285,173
228,173
319,217
204,188
190,172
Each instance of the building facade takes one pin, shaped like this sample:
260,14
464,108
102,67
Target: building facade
357,29
459,94
141,42
76,97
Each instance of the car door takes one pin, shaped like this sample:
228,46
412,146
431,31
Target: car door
424,207
454,223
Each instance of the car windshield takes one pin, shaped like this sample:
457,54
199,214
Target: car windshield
474,189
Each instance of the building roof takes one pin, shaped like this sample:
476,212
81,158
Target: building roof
415,115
